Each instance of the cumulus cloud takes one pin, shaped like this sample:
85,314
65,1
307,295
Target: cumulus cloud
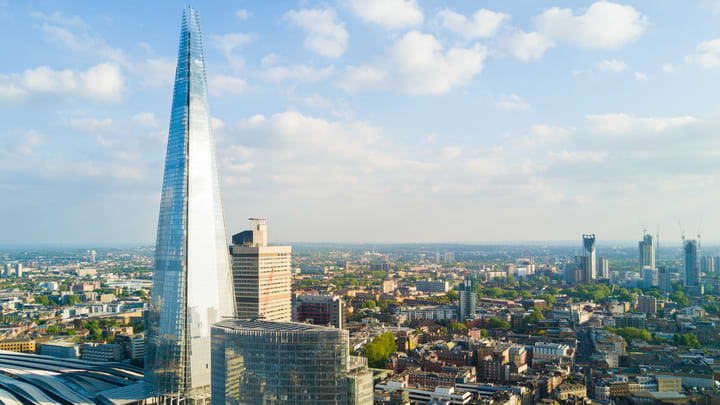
102,82
707,55
640,76
325,35
527,46
242,14
426,68
603,25
482,24
389,14
611,65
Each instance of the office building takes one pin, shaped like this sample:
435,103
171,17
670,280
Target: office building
647,304
261,275
259,362
389,286
93,256
327,310
649,277
430,286
707,264
691,268
646,251
603,268
467,304
191,281
590,253
101,352
61,349
664,279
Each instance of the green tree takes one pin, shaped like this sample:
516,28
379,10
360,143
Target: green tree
687,340
456,326
452,295
52,330
679,298
379,349
497,323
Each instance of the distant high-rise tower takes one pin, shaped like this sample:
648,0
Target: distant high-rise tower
261,275
93,256
690,263
191,283
590,266
646,250
664,279
603,268
467,305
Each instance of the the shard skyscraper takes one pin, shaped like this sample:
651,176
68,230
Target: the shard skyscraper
192,286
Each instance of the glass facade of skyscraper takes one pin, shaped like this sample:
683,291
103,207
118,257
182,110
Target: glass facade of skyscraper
259,362
191,283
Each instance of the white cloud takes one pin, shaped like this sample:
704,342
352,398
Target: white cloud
325,35
145,119
297,72
224,84
611,65
668,68
423,67
91,124
155,72
78,38
389,14
361,78
228,43
640,76
242,14
102,82
11,91
512,102
528,46
483,23
603,25
625,124
708,54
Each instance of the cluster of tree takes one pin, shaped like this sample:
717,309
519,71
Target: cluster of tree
531,319
630,334
679,298
497,323
379,350
602,292
687,340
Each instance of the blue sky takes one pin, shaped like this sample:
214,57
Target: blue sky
372,120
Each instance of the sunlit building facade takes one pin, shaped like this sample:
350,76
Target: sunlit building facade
286,363
191,282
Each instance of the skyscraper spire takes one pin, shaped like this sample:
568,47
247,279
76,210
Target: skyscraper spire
192,286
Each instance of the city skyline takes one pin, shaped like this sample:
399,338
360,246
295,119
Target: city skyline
511,128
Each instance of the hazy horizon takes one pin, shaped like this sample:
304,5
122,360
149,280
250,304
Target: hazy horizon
371,120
